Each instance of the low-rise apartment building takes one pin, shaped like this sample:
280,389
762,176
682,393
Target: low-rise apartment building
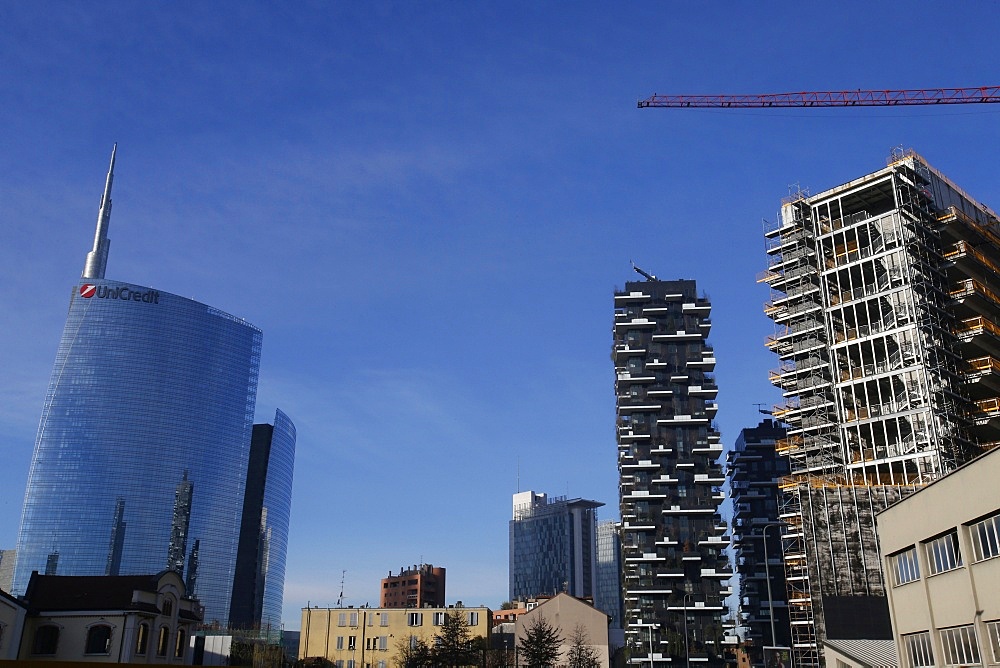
376,637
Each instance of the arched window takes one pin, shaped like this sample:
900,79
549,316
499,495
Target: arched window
46,639
98,639
179,645
161,642
142,638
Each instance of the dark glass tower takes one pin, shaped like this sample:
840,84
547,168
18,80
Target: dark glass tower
141,455
260,562
755,470
673,536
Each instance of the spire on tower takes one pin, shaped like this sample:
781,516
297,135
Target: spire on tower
97,259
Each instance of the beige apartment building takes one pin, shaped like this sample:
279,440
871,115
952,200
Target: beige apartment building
375,637
941,555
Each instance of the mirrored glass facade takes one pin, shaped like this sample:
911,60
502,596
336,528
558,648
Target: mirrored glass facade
140,460
274,519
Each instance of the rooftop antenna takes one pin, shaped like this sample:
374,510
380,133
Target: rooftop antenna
340,601
649,277
97,259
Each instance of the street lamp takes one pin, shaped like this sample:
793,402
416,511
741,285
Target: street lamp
767,575
687,651
650,646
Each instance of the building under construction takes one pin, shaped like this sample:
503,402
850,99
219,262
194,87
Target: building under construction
885,294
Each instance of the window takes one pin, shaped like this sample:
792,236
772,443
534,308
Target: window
415,619
179,645
904,566
385,619
352,642
46,639
381,663
342,619
371,619
350,663
383,643
943,553
413,642
98,639
168,607
984,538
161,642
339,663
918,650
354,619
993,629
438,618
340,642
473,619
961,648
142,638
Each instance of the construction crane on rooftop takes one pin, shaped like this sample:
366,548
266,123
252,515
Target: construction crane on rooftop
843,98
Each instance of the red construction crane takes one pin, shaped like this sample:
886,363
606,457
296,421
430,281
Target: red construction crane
843,98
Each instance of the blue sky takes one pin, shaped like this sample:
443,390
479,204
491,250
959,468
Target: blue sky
427,207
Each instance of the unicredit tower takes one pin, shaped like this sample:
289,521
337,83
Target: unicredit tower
140,462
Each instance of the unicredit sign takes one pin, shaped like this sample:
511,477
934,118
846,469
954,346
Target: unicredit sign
88,290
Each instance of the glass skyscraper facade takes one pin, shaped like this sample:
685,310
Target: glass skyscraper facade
260,562
140,460
553,546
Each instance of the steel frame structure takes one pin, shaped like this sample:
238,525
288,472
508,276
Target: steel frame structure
843,98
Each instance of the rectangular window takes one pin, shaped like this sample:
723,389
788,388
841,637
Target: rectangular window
961,648
352,642
984,538
943,553
350,663
354,619
904,566
413,642
340,642
381,663
371,619
415,619
383,643
339,664
473,619
438,618
993,629
342,619
918,650
385,619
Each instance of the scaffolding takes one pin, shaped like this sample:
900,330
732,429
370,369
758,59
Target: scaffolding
886,336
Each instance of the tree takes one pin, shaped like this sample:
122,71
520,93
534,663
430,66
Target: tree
453,647
414,653
540,646
581,654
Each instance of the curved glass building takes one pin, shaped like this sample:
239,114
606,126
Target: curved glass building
141,455
140,462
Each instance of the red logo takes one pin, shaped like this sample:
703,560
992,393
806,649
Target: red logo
88,290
